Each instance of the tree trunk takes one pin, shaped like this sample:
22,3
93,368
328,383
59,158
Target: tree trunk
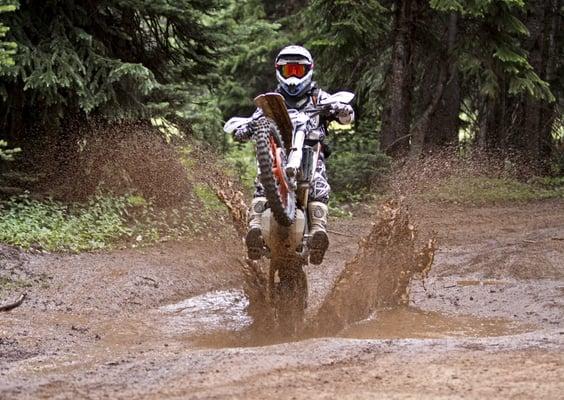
532,136
421,127
494,121
396,118
444,122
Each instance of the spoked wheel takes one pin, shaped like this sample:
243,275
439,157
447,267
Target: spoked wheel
271,158
289,293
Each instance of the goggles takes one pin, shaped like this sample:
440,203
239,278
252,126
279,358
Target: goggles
293,69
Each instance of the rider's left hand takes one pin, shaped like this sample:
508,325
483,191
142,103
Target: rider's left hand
342,110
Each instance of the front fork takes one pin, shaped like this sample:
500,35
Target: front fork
295,158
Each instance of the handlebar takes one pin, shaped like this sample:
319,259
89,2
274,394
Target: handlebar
318,109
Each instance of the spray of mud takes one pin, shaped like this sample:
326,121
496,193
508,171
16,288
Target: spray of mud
379,274
117,157
233,199
411,176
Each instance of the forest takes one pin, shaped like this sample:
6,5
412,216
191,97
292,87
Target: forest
426,74
101,98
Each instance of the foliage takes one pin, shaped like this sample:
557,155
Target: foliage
356,32
247,63
549,182
208,197
51,225
248,43
103,222
119,59
189,65
7,49
338,208
495,53
241,157
5,153
490,55
356,165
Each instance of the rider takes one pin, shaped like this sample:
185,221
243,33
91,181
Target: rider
294,71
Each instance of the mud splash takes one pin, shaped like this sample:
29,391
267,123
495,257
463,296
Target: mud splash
380,273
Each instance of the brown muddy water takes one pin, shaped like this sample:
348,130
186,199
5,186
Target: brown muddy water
413,323
218,319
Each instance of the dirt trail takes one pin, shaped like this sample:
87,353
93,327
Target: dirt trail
170,322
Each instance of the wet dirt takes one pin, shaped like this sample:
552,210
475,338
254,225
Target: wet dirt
409,322
169,322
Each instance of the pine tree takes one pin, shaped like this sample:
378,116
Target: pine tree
7,49
414,63
247,64
120,59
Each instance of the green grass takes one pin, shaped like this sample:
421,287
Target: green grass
241,160
51,225
482,190
104,222
336,210
208,197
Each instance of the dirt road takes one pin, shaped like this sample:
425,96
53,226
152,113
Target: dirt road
169,322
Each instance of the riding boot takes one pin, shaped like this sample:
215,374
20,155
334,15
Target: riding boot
253,240
319,241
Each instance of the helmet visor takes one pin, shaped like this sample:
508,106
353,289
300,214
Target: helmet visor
293,69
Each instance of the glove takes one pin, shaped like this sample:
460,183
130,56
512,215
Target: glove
242,134
342,111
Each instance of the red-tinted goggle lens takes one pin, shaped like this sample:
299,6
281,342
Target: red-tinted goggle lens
297,70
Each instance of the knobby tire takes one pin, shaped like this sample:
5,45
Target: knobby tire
283,214
290,296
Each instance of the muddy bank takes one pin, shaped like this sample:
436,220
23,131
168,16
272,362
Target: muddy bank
76,301
121,280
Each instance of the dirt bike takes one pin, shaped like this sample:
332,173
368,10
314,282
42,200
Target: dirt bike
286,167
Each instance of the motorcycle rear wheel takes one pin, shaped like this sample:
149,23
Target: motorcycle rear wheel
290,297
271,158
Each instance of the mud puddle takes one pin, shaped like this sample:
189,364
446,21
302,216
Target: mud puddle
222,310
218,319
413,323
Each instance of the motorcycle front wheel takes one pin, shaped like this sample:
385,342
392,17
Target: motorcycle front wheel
271,158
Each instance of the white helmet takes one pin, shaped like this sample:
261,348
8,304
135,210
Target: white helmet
294,70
